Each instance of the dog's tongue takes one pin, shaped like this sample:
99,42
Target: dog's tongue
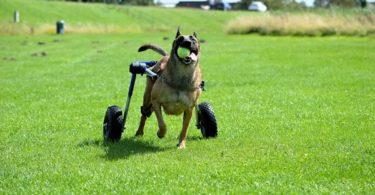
193,56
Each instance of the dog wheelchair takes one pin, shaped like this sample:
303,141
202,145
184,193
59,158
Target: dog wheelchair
115,121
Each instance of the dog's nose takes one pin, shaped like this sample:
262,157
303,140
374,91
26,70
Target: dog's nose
187,44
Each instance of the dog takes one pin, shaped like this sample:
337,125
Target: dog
177,88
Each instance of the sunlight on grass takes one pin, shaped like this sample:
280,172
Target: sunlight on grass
290,120
295,114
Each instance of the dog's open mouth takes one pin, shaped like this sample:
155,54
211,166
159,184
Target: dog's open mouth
189,57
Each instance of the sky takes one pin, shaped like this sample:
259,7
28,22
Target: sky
308,2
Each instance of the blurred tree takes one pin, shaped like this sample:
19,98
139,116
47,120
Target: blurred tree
340,3
274,4
321,3
344,3
363,3
244,4
132,2
138,2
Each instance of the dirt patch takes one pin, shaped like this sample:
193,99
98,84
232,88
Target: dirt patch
9,59
41,54
24,43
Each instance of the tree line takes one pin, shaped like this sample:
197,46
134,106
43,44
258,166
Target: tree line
271,4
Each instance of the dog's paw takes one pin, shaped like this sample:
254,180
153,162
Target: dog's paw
181,145
138,134
160,134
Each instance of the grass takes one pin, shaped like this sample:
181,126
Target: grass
81,18
296,115
290,120
41,16
305,24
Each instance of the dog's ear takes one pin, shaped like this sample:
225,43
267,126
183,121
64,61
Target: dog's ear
178,33
195,35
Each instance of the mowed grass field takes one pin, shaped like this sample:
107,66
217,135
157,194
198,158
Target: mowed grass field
40,16
295,115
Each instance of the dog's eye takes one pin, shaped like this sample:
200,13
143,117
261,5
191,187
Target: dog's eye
192,38
180,39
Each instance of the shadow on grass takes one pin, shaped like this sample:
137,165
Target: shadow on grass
124,148
131,146
194,138
127,147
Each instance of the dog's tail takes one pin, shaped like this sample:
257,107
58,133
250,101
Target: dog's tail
153,47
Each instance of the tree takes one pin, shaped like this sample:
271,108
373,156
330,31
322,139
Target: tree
275,4
339,3
132,2
321,3
138,2
244,4
363,3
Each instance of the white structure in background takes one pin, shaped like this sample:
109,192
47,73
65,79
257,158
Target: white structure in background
308,3
172,3
257,6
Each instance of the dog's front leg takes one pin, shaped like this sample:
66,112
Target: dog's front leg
185,124
146,108
159,115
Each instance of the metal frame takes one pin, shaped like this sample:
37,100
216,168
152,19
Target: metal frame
138,67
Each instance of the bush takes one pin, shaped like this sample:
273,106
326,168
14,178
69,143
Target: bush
304,24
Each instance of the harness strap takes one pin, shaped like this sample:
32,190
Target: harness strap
172,85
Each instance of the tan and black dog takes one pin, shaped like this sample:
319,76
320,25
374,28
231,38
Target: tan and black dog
177,88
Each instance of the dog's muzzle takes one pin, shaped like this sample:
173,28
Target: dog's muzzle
192,57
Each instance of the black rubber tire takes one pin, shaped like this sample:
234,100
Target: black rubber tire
206,120
112,124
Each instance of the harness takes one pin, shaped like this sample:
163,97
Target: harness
143,68
179,87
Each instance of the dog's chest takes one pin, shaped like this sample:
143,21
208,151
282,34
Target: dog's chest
176,102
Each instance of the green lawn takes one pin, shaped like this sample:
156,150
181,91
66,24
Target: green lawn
37,14
295,114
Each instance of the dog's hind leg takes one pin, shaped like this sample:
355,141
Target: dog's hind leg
185,124
146,108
